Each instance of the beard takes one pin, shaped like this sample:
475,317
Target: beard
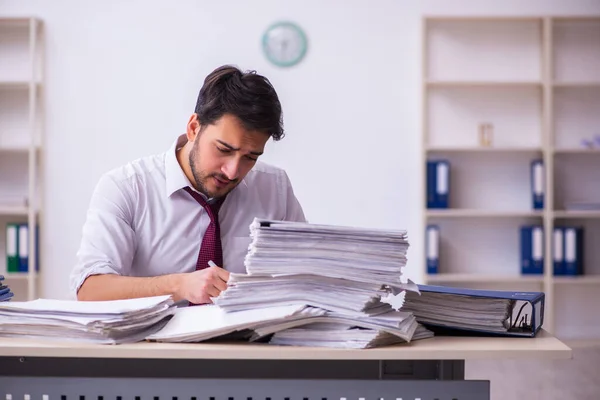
201,178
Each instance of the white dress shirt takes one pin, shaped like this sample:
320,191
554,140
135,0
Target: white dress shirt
141,222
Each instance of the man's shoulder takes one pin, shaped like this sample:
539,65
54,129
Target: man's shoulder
139,169
263,172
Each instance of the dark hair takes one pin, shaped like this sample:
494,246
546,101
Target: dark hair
247,95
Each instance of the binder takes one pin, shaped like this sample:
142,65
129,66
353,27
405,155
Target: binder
537,184
558,254
432,249
525,317
442,183
12,243
431,183
573,251
532,250
5,292
23,247
438,183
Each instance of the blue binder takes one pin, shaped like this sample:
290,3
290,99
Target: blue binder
431,179
537,184
23,248
558,252
438,183
432,243
532,250
521,324
573,251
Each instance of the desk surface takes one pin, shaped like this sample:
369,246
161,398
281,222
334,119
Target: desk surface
543,346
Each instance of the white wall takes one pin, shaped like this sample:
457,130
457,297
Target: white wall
122,78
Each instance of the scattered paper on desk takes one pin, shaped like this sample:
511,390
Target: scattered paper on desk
198,323
106,322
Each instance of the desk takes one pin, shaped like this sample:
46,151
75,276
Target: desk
426,370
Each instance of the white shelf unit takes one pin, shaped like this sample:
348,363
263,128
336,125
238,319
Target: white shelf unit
21,132
537,80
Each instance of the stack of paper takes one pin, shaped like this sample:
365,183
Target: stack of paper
345,271
5,292
108,322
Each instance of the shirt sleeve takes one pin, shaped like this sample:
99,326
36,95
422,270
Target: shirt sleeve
294,210
108,239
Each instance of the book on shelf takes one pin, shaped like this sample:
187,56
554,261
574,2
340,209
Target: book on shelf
568,251
532,249
17,247
537,184
438,183
432,244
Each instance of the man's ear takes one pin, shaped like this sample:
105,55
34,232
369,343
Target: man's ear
193,127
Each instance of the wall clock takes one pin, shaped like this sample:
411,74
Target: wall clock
284,44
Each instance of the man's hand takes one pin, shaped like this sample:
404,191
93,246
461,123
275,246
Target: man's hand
199,286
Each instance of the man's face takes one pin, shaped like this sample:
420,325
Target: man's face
222,154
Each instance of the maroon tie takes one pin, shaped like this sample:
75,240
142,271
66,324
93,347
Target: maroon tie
211,242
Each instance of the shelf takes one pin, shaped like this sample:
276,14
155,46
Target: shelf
577,214
577,280
479,278
577,151
20,276
467,84
14,22
473,149
15,85
16,149
472,213
576,85
574,343
18,211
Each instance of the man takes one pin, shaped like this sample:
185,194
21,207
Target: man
155,225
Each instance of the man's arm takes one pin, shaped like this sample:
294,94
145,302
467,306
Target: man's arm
107,249
197,287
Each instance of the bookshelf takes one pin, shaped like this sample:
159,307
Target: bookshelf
21,63
537,81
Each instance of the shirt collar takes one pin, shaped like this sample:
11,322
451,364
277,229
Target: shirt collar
174,175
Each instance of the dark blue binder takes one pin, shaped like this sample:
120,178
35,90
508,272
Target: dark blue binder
432,243
526,319
532,250
558,251
438,183
431,180
537,184
573,251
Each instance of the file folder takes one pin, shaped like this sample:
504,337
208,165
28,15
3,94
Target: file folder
432,243
573,251
438,183
12,243
532,250
431,183
558,254
525,317
537,184
23,248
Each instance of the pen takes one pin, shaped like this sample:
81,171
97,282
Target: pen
211,263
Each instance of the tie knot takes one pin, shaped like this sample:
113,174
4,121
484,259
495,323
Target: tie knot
212,207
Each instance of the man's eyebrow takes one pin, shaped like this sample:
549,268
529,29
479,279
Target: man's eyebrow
230,147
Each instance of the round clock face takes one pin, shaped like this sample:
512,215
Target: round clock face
284,44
